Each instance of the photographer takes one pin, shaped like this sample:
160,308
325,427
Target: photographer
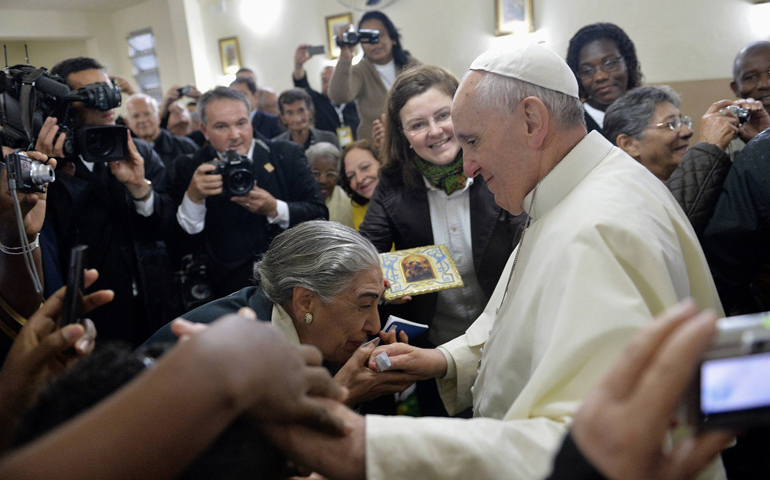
231,229
116,210
340,119
144,122
368,82
18,298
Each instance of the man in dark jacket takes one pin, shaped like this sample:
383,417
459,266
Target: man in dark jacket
339,119
231,229
116,209
262,123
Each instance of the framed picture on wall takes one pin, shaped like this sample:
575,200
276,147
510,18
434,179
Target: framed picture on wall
332,22
230,53
513,16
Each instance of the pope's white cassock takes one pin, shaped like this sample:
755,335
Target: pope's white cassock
608,249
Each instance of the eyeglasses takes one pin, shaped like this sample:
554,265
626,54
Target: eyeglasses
675,124
422,125
611,65
328,176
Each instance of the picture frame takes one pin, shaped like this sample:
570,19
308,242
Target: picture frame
230,53
416,271
333,21
513,16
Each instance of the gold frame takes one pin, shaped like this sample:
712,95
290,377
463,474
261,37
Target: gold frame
513,25
442,274
331,22
230,65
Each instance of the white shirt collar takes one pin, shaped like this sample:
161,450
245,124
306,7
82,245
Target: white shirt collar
281,319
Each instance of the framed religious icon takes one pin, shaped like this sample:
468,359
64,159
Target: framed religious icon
333,22
230,53
419,270
513,16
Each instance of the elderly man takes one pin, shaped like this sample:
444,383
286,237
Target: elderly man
144,122
751,73
606,249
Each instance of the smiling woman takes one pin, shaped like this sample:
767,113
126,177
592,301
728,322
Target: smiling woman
424,198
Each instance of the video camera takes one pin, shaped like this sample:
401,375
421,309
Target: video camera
352,37
731,389
237,174
29,95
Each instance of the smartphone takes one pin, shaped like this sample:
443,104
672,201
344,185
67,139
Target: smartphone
316,50
73,297
732,388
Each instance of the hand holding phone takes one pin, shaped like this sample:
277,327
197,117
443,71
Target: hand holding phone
73,297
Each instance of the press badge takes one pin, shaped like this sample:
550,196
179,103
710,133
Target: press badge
344,135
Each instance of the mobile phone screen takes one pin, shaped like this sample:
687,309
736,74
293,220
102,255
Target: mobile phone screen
316,50
735,383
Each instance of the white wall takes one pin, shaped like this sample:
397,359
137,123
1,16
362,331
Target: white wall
676,40
43,52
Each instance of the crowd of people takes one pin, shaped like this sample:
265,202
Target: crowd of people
233,274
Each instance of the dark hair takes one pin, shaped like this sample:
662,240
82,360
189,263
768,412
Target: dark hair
65,68
397,158
239,452
363,144
602,31
245,81
220,93
400,56
292,95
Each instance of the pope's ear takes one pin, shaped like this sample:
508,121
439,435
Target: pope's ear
628,144
537,117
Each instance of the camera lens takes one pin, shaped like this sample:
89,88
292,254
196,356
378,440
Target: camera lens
240,182
99,144
41,174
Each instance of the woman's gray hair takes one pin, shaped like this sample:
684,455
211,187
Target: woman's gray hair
632,113
323,149
503,94
322,256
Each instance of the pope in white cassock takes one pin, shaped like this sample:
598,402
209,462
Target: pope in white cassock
607,248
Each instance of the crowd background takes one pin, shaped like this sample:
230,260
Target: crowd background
672,41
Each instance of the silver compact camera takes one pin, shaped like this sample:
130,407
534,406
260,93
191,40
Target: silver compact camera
740,112
732,386
29,175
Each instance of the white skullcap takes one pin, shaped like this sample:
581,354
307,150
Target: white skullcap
533,63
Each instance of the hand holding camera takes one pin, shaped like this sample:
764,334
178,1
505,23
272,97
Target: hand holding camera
755,118
205,183
130,172
31,201
258,201
717,127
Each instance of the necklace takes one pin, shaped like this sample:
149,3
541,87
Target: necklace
521,244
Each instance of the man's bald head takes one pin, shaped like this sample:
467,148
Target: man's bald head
751,73
143,117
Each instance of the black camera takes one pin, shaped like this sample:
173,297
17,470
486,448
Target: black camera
352,37
29,175
193,282
740,112
237,174
731,389
29,95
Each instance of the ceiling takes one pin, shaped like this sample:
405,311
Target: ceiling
90,5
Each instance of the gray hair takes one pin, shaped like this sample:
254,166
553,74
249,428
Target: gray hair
631,113
153,103
322,256
323,149
503,94
221,93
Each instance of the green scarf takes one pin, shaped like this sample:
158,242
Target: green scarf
449,177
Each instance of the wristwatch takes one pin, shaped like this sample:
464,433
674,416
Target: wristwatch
146,195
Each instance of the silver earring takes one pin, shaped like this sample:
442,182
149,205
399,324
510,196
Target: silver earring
308,318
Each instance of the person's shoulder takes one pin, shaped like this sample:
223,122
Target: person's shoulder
144,148
186,143
213,310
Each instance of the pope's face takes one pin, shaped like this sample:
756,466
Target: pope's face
494,147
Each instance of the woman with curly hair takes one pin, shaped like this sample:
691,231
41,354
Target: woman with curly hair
604,61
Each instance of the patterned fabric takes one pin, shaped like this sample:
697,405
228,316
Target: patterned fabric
449,177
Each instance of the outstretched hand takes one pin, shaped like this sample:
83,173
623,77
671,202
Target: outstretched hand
624,421
37,354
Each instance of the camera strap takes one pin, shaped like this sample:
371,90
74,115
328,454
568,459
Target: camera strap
28,99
